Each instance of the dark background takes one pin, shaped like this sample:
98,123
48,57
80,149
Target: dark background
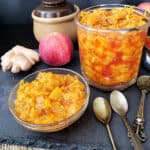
87,133
19,11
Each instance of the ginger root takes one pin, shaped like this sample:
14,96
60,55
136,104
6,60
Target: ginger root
19,59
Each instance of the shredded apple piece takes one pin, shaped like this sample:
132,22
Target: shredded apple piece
49,98
112,19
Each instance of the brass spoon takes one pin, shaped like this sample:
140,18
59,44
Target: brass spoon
102,111
120,106
143,83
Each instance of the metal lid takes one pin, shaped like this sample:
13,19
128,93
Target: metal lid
52,2
54,9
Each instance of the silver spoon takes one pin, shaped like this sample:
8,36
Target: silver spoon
120,106
102,111
143,82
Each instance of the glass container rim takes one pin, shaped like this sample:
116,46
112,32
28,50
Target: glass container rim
108,6
55,123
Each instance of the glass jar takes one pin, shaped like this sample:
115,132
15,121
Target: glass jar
110,59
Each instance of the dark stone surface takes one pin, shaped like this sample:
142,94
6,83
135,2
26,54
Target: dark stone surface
87,133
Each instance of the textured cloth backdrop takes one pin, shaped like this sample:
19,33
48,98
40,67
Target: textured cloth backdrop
15,147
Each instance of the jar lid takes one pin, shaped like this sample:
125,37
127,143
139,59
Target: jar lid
54,9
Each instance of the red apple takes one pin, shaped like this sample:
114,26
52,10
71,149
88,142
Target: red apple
145,6
56,49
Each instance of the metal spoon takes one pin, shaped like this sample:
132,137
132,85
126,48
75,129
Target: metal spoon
120,106
143,83
102,111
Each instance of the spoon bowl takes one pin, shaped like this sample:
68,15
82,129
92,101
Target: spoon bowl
143,82
102,110
120,106
119,103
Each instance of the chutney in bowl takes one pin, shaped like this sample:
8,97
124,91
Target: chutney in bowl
49,100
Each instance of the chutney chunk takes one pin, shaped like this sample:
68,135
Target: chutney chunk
49,98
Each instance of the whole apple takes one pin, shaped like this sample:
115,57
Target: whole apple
145,6
56,49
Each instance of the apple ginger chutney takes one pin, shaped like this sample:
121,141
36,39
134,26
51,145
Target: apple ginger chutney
110,43
50,98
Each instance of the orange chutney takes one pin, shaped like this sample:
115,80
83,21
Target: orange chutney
49,98
110,56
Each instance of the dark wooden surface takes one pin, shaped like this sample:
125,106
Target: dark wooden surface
87,133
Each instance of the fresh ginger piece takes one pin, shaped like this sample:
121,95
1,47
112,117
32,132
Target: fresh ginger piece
7,60
29,53
19,59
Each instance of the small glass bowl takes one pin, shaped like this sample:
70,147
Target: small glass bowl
52,127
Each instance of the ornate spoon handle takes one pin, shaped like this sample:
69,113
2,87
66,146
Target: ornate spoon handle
136,143
138,125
